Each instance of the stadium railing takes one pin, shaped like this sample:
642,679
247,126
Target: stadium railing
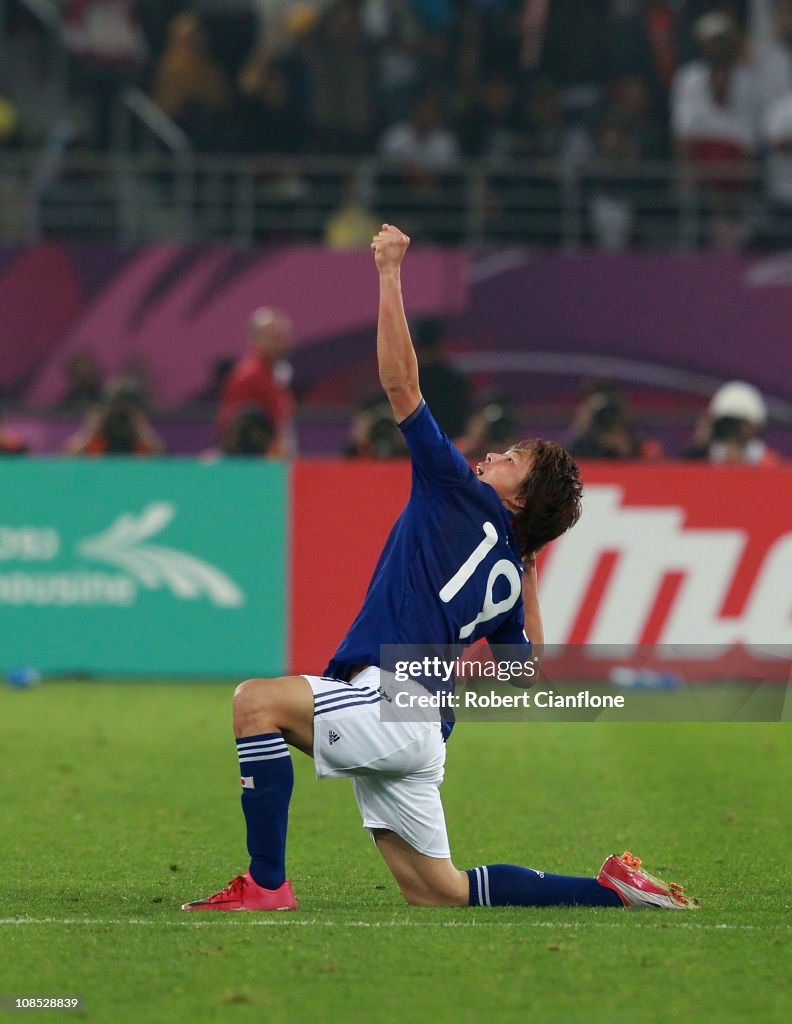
154,187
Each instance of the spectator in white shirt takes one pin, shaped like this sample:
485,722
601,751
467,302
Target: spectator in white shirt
715,115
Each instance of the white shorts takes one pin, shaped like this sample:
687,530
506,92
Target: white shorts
395,767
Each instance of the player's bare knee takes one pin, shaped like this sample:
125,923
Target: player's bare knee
429,896
413,897
420,897
254,702
244,695
419,893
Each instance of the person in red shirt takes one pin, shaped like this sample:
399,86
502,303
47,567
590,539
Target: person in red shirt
261,379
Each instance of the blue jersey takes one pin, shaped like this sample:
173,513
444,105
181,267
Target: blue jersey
450,572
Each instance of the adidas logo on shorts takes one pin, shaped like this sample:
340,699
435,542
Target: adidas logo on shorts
333,737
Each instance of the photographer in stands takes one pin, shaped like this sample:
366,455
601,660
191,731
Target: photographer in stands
118,425
731,430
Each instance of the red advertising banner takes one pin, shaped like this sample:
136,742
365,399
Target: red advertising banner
342,513
678,566
683,566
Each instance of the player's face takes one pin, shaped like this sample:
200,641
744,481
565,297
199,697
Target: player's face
505,474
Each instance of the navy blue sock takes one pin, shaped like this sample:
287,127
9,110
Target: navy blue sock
506,885
267,772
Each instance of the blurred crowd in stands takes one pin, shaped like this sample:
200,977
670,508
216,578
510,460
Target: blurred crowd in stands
255,410
426,83
729,431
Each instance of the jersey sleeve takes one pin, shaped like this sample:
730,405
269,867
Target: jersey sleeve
432,453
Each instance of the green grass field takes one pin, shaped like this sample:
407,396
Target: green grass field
120,802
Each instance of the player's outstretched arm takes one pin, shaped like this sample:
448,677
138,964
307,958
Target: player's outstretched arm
398,366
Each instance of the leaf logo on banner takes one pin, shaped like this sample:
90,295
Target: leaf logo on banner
122,544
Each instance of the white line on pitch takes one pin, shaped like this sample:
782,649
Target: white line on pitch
287,921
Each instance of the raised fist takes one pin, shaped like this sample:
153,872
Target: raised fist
389,246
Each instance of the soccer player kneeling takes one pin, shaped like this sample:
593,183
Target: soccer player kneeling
460,533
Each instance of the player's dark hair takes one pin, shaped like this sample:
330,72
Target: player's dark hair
552,494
